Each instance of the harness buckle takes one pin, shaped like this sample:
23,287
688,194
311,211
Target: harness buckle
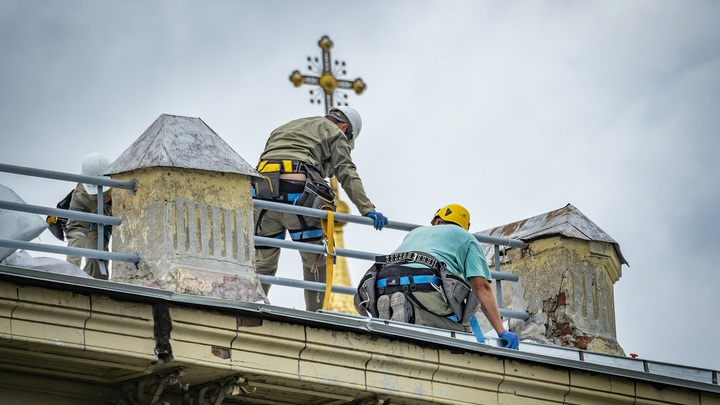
411,281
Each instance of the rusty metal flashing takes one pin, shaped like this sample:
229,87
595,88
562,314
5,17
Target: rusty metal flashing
567,221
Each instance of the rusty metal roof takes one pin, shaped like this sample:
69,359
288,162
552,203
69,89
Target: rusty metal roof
185,142
567,221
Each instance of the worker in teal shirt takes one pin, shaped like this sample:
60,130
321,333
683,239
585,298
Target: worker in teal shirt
412,283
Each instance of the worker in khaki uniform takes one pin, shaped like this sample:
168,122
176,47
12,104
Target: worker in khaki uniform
437,277
297,158
81,234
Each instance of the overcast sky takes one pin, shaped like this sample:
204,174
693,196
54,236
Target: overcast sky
512,109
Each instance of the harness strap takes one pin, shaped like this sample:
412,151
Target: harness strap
328,226
259,220
303,226
307,234
384,282
282,166
284,197
289,198
474,325
107,230
280,236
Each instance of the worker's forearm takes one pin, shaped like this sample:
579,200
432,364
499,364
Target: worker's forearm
490,309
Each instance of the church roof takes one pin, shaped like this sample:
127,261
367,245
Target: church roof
185,142
567,221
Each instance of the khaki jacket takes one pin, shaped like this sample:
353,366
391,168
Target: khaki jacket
319,142
84,202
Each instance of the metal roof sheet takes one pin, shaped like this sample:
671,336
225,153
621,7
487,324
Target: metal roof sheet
185,142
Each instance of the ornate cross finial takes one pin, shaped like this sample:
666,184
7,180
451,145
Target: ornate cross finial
328,78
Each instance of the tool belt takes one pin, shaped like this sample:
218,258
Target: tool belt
317,193
390,276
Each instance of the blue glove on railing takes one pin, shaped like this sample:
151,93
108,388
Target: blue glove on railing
511,338
380,219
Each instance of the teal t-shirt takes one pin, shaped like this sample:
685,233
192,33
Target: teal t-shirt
450,244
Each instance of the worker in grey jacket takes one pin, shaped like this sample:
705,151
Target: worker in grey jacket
81,234
297,159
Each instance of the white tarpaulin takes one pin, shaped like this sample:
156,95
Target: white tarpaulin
14,225
22,259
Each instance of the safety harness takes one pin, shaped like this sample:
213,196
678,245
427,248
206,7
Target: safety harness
388,276
396,278
315,192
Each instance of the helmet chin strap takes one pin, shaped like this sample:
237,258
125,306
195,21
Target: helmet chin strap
349,129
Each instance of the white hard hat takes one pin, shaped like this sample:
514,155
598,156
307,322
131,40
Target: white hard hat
94,164
353,117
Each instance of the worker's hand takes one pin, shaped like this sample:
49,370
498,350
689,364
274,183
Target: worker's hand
380,219
511,338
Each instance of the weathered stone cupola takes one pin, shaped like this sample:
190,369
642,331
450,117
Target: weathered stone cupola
191,217
566,280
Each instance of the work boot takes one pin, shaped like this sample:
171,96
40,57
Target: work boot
383,307
402,310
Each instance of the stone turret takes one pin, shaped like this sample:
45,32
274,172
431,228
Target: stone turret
191,217
566,280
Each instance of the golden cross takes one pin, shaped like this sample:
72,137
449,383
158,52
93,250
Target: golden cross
328,78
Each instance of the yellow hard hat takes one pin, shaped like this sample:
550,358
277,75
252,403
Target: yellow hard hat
455,213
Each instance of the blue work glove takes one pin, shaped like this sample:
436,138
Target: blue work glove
380,219
511,338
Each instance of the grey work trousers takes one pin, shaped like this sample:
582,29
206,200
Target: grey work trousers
437,312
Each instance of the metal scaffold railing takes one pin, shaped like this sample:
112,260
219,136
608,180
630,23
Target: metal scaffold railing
498,276
100,220
103,220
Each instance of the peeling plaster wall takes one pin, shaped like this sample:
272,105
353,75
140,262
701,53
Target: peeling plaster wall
566,285
193,229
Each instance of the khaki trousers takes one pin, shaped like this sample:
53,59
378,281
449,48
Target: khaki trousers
273,223
87,240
